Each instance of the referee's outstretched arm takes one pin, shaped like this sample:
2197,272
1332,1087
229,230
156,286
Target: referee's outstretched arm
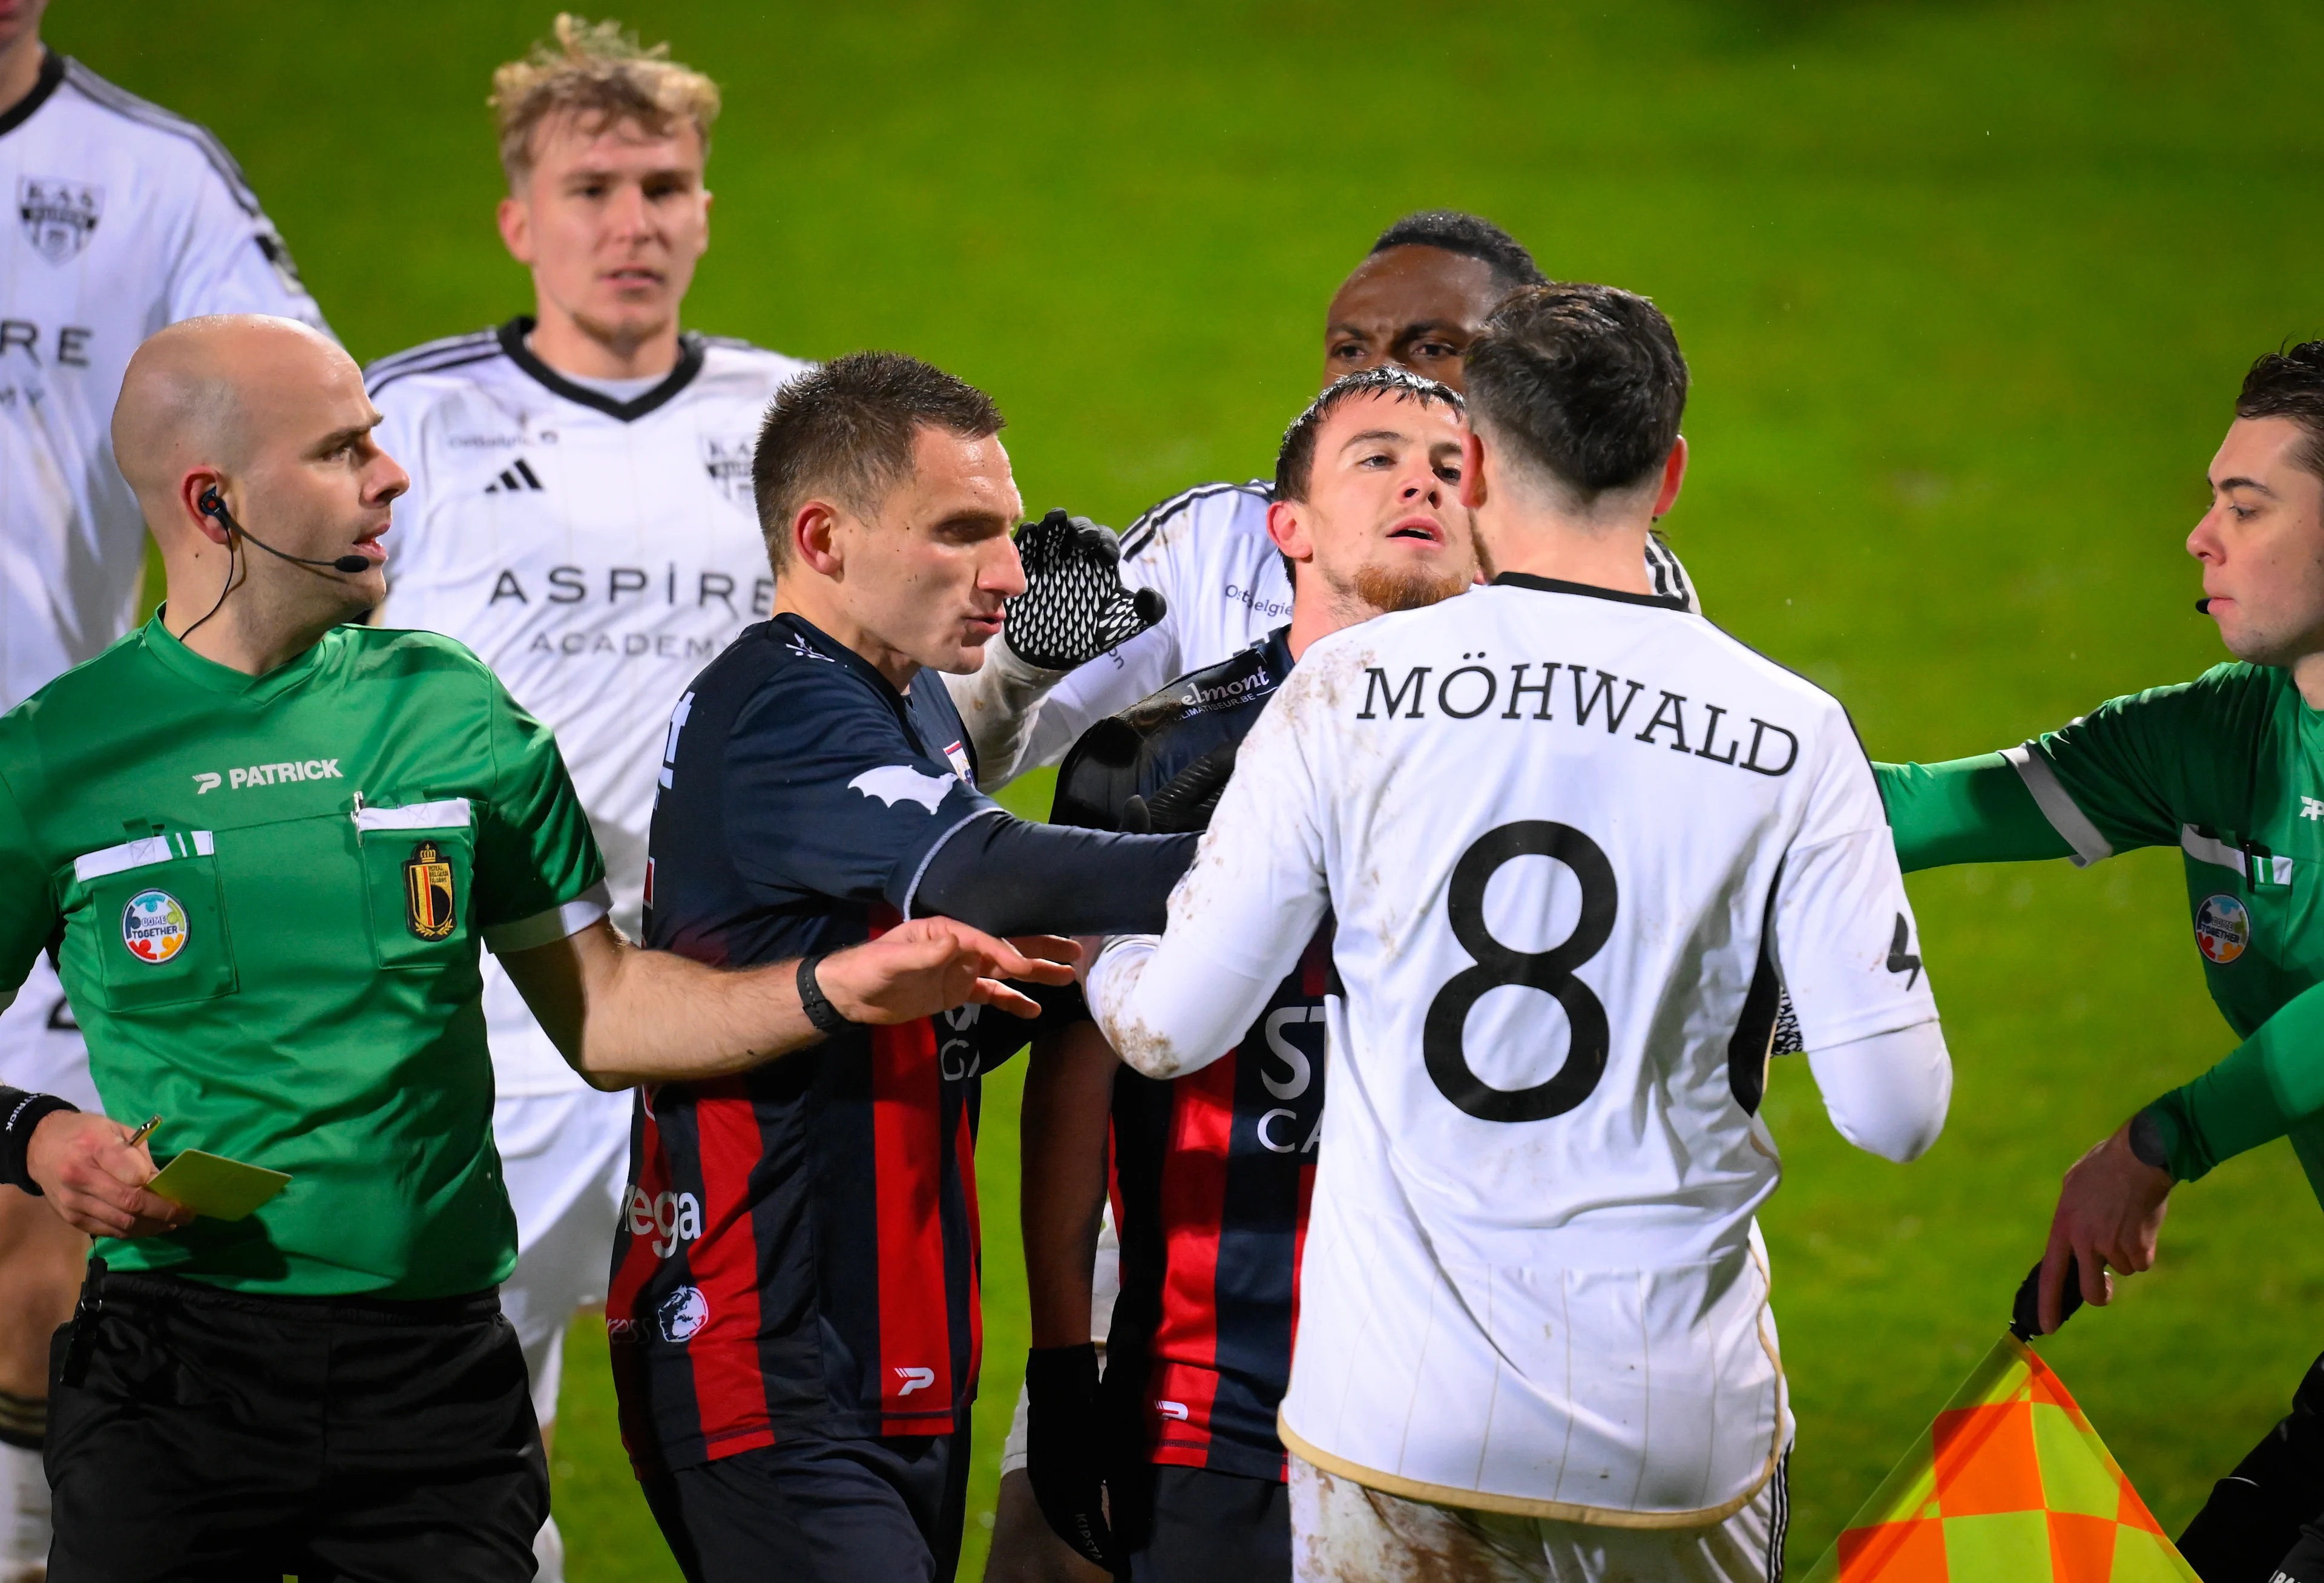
622,1015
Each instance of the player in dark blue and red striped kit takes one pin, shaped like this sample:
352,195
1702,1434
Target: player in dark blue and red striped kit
1212,1172
794,1301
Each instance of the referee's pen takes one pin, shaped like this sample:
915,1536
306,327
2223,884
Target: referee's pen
142,1133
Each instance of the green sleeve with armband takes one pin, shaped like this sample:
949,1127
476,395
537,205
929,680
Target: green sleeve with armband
1965,810
2267,1086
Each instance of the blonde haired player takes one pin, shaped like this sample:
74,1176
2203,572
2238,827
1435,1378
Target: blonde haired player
580,515
1576,842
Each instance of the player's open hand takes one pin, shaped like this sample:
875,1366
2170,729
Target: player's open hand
2109,1213
931,965
95,1178
1074,607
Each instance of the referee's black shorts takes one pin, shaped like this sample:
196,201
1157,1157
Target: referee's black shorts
811,1510
213,1435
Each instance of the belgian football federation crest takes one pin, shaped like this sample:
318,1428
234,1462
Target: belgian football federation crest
728,463
153,926
57,215
429,908
2222,928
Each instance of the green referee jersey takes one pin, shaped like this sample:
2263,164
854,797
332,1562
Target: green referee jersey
2228,768
266,896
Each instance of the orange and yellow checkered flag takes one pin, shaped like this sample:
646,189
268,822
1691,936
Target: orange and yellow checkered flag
2010,1484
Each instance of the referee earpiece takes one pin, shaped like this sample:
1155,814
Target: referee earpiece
211,505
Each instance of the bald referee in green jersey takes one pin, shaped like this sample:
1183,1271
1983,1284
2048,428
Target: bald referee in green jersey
2228,768
265,848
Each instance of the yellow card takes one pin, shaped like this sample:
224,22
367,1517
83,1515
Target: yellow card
215,1186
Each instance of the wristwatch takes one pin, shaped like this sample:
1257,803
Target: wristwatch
817,1006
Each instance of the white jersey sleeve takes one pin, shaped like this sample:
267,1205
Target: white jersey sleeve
1842,928
1239,921
235,261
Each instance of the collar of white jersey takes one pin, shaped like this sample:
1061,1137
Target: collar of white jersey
1550,585
689,363
52,72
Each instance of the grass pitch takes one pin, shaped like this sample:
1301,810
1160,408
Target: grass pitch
1967,289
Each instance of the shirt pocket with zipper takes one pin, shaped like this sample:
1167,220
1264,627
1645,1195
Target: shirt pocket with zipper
420,866
159,919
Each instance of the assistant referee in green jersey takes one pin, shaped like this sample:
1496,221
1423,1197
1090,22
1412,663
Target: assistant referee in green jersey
265,848
2228,768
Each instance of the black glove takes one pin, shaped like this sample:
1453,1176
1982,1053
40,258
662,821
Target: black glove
1074,607
1064,1448
1184,804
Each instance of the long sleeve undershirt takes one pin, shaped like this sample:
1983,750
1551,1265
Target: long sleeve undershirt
1965,810
1011,876
2267,1086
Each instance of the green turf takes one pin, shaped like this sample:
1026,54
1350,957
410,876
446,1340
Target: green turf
1966,289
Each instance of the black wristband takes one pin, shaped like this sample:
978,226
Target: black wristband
817,1006
2146,1142
20,1113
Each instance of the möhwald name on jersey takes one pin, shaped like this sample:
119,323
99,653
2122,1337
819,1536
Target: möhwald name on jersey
1470,690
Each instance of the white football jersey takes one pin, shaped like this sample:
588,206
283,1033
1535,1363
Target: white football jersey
129,219
1574,842
596,552
1206,552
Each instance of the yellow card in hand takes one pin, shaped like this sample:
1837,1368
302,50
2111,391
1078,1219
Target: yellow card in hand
215,1186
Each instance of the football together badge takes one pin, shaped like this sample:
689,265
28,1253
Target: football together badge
57,215
427,905
2222,928
153,926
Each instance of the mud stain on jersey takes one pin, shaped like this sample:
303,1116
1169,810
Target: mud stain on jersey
1146,1048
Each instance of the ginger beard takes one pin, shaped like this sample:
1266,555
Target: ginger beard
1386,589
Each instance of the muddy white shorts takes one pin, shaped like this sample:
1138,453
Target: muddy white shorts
1339,1529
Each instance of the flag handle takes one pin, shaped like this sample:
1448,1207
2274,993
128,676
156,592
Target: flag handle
2025,1313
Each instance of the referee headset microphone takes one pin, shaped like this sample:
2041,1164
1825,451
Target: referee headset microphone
213,505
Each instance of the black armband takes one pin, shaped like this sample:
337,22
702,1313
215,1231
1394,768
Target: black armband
20,1113
828,1019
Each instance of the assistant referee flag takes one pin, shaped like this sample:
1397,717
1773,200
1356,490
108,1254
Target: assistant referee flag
2010,1484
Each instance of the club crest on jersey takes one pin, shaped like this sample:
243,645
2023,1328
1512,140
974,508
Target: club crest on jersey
57,215
728,463
681,1315
153,926
428,909
2222,928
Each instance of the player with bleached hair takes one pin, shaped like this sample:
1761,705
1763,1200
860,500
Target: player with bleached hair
1576,841
580,516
